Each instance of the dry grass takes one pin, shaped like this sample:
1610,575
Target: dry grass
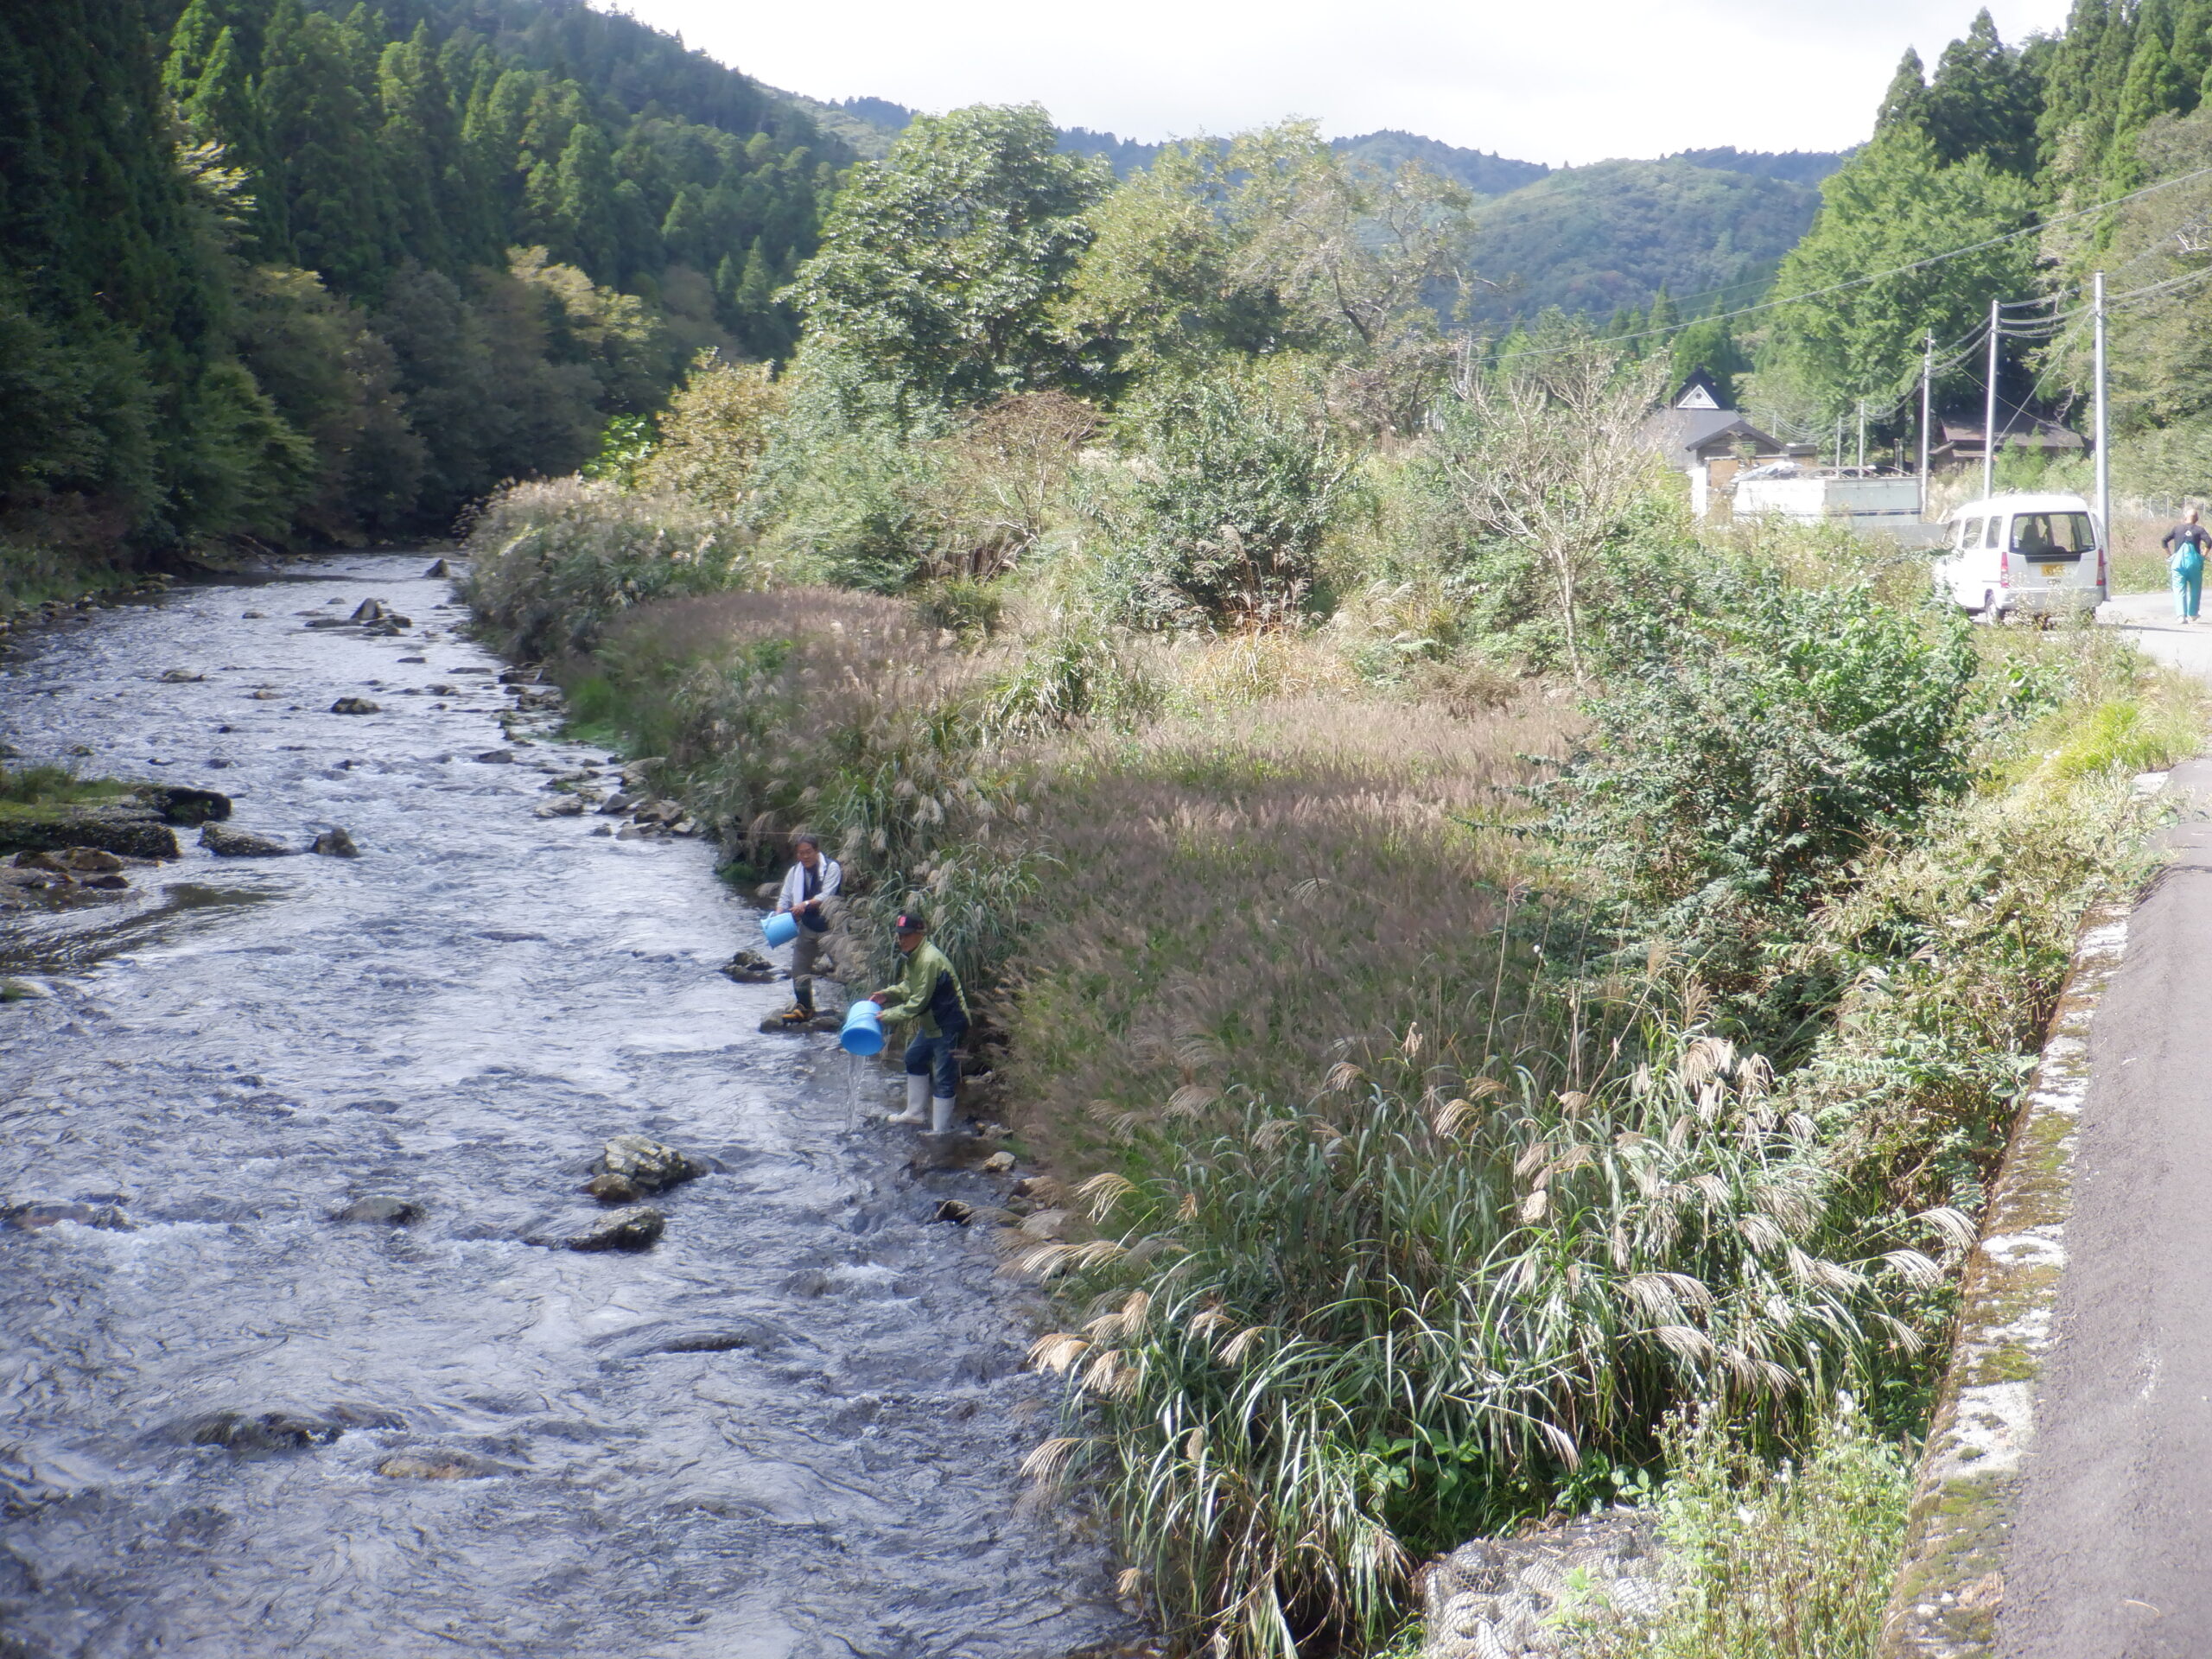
1245,896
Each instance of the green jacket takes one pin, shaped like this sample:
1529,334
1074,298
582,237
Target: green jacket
928,991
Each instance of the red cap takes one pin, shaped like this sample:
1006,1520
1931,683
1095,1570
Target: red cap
908,922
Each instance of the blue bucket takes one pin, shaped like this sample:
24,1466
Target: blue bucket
863,1029
780,927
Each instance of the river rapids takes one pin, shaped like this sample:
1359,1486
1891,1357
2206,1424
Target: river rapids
790,1429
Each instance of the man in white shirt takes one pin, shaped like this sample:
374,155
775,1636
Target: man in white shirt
811,880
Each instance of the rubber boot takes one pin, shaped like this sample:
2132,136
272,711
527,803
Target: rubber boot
941,1114
917,1092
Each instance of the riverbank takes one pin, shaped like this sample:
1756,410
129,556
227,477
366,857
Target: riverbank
1282,960
789,1425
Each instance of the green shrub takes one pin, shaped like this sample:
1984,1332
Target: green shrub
1239,480
556,562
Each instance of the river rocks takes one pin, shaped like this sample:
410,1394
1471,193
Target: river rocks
179,803
387,1212
950,1151
569,806
369,610
226,842
748,967
1501,1597
268,1431
442,570
335,843
647,1164
355,706
25,990
129,829
776,1025
496,758
953,1210
437,1463
614,1189
32,1217
181,677
636,1229
999,1163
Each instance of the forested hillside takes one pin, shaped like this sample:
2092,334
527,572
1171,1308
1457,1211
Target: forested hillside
1996,141
288,270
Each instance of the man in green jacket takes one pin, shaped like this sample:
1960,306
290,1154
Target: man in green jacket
928,993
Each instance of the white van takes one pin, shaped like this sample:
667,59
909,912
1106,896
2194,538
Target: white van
2025,554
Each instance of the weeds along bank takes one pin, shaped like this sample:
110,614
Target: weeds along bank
1451,1076
1520,1000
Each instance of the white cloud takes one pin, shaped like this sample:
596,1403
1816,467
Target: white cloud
1572,81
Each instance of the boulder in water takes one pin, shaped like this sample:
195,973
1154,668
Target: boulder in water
438,1463
614,1189
31,1218
335,843
180,677
267,1431
355,706
647,1164
440,571
226,842
130,829
178,804
568,806
389,1212
636,1229
369,610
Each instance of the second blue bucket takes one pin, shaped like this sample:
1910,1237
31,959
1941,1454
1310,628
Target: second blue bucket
779,927
863,1029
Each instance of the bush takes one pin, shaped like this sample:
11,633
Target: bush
1331,1337
1238,481
714,433
556,562
1757,747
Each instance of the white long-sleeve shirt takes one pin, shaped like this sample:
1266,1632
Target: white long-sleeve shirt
794,892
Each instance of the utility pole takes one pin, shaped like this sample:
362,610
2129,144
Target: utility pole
1862,435
2104,459
1839,443
1989,411
1927,380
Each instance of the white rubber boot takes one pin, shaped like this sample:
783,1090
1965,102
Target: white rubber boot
941,1114
917,1093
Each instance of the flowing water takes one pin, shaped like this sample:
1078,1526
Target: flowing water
790,1428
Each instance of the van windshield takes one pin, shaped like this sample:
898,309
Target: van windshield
1970,533
2053,535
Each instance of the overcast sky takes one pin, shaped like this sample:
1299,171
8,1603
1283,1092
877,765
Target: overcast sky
1543,80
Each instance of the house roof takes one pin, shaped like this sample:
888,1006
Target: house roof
1686,437
1700,391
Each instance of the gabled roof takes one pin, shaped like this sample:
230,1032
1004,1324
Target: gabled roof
1684,434
1700,391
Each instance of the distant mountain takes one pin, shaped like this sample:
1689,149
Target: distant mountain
1592,239
1589,239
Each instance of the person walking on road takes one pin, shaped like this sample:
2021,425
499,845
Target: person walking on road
2185,546
813,878
928,993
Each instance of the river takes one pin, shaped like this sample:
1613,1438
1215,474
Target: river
790,1429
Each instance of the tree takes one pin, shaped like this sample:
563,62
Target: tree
1892,204
1547,452
1982,101
940,266
1357,258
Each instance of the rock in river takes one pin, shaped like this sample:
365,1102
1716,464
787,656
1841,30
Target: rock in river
226,842
647,1164
636,1229
436,1463
390,1213
335,843
179,803
268,1431
355,706
133,830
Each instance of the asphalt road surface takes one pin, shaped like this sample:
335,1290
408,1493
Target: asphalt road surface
2112,1558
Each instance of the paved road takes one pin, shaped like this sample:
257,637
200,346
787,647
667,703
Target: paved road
2112,1555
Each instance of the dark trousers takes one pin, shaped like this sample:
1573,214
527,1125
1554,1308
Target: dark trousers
938,1059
